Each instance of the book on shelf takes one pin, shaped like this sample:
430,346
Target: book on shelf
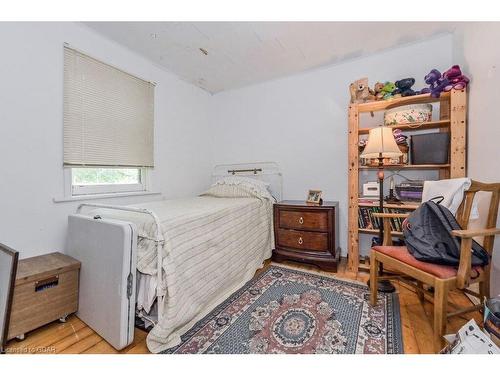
366,220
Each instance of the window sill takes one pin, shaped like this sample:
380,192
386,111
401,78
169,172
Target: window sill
103,196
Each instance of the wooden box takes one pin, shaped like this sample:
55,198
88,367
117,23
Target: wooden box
46,289
307,233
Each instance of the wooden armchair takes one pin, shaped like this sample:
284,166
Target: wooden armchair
443,278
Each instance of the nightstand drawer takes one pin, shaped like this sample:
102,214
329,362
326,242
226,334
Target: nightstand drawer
296,239
303,220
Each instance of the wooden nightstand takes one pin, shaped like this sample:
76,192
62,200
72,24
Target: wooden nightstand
307,233
46,289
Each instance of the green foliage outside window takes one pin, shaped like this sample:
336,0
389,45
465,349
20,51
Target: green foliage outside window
103,176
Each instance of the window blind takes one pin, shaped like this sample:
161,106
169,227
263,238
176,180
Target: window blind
108,115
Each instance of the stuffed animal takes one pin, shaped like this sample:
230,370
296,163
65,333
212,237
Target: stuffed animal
436,83
456,79
404,87
399,137
377,91
388,90
360,92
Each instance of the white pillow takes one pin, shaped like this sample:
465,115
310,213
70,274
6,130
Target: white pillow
239,187
235,180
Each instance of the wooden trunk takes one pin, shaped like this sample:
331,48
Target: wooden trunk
46,289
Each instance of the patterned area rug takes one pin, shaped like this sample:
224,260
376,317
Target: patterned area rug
288,311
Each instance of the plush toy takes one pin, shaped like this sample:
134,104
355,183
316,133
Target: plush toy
377,91
404,87
388,90
360,92
456,79
436,83
399,137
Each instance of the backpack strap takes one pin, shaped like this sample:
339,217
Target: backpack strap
437,199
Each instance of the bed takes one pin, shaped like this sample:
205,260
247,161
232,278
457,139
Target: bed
205,248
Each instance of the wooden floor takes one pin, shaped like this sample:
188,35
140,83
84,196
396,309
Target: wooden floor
74,336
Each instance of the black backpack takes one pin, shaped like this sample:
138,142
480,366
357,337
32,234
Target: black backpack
427,233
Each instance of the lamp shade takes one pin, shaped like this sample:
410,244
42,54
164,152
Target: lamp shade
381,143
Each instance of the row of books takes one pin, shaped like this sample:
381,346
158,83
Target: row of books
367,221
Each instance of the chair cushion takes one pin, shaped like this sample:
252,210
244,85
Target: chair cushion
402,254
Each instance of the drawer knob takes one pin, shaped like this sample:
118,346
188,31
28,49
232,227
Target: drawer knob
301,220
301,241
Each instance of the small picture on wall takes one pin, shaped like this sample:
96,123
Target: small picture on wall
314,196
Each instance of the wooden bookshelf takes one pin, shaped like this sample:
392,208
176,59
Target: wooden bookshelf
452,119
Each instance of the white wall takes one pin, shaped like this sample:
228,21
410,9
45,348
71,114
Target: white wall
31,173
301,121
475,48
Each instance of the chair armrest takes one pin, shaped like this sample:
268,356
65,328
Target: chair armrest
389,215
464,267
469,233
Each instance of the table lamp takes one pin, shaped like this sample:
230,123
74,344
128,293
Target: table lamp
381,144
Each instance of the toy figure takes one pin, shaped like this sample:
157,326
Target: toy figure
388,90
404,87
360,92
456,79
399,137
436,83
377,91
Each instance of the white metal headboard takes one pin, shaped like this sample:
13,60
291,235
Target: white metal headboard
265,171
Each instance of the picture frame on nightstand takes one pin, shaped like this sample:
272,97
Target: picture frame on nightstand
314,196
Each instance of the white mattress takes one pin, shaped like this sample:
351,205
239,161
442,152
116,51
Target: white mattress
212,247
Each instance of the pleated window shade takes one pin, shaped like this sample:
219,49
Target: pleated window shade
108,115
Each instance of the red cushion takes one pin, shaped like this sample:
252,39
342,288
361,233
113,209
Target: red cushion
401,253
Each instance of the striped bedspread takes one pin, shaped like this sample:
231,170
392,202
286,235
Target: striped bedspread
213,245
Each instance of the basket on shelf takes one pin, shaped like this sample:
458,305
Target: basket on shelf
408,114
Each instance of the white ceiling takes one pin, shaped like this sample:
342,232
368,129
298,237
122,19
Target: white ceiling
245,53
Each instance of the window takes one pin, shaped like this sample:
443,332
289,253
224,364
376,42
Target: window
108,127
107,180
